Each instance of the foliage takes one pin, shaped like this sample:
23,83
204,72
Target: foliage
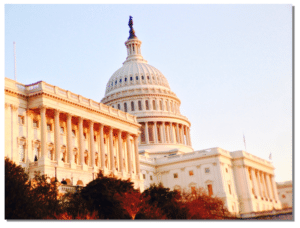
164,203
28,199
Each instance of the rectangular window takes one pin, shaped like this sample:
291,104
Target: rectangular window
143,136
35,123
21,120
191,173
73,133
151,177
175,175
210,189
49,127
144,176
150,133
84,135
229,189
207,170
62,130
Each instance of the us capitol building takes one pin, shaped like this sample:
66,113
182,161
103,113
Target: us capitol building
136,132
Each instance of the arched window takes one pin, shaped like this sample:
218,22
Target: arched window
151,132
140,105
167,109
22,153
143,137
147,104
132,106
154,104
160,105
119,106
125,107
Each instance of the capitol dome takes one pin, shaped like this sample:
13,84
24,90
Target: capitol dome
142,90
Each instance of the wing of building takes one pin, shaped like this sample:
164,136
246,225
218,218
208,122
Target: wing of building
137,132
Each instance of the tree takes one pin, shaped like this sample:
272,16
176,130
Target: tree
168,202
28,199
201,206
101,195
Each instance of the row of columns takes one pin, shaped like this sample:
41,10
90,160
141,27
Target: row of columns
70,148
263,184
160,105
175,133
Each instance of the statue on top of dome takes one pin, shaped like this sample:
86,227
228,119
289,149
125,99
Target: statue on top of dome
131,31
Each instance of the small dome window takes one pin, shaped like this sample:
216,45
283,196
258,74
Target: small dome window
140,105
125,79
137,77
148,77
120,80
132,106
112,83
125,107
130,78
142,77
116,82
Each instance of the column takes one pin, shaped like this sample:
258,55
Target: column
129,162
189,137
120,141
171,132
81,143
69,138
102,149
254,183
182,134
259,184
265,185
274,188
30,157
162,132
271,194
146,133
111,149
92,144
43,133
177,133
56,136
137,159
155,133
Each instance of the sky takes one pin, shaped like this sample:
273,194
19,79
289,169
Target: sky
230,65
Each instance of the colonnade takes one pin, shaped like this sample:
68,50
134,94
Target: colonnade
113,149
263,184
165,132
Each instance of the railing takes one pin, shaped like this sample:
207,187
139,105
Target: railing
29,89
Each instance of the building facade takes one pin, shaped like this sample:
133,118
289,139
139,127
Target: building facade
285,193
62,134
136,132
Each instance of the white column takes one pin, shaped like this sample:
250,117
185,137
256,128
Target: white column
120,141
102,149
146,133
92,143
274,189
30,157
137,158
254,183
111,149
189,137
69,138
155,133
271,194
259,185
162,132
171,133
43,133
177,133
265,185
81,143
129,162
56,136
182,134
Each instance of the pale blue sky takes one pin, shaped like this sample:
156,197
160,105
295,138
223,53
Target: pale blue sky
231,65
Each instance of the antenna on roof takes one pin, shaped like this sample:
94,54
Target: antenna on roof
15,62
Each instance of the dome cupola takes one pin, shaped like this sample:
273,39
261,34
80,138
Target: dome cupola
142,90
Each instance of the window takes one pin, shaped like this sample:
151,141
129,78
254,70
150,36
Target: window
147,104
130,78
154,105
191,173
125,107
125,79
132,106
207,170
137,78
35,123
119,106
210,189
142,77
160,105
151,177
175,175
21,120
84,135
120,80
95,138
49,127
229,189
144,176
227,171
140,105
116,82
62,130
50,154
113,106
143,137
73,133
21,153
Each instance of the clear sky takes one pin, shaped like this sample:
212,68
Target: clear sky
230,65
